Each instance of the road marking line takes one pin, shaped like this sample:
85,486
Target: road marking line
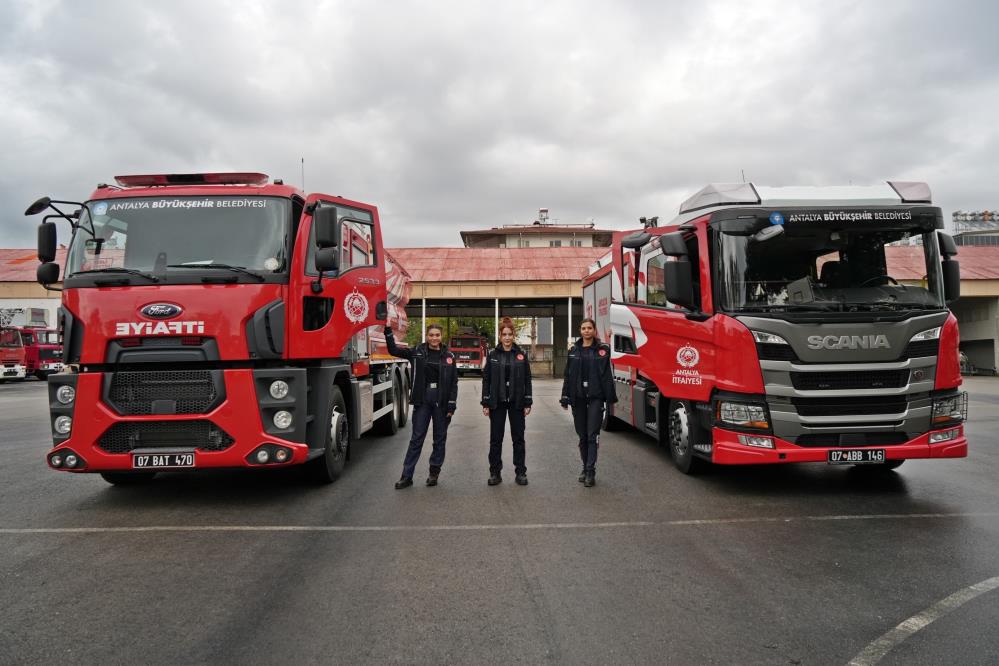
874,652
479,528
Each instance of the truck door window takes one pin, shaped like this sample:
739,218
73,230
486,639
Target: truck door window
653,291
357,240
629,281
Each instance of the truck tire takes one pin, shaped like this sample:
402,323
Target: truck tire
389,424
128,478
610,422
404,403
336,441
684,431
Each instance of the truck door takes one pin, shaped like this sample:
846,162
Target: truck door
671,345
332,322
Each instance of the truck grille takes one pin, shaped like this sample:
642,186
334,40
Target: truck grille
865,379
191,391
772,352
49,353
852,439
850,406
203,435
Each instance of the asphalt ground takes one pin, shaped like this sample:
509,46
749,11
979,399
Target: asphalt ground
807,564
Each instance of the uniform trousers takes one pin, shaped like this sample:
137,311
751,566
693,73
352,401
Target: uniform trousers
588,415
497,424
423,414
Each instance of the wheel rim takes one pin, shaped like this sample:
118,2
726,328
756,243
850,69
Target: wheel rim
338,433
679,431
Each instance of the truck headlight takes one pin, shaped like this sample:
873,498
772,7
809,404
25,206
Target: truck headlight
282,419
63,424
745,415
66,394
764,338
929,334
279,389
950,408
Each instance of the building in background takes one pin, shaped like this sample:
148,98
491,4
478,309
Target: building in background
543,232
980,227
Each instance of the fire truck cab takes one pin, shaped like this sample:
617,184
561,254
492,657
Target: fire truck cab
763,325
220,320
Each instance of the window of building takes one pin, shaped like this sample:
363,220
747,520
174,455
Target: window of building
555,243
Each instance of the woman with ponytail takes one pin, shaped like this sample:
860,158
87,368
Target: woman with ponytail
506,394
587,388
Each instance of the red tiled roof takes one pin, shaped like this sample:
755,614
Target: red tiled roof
456,264
20,265
535,229
460,264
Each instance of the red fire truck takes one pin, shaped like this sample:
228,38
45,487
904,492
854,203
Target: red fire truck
470,349
13,355
220,320
763,325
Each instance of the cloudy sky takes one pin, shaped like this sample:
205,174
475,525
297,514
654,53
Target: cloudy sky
462,115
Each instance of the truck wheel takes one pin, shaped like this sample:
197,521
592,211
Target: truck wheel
610,422
404,403
683,433
389,424
336,445
128,478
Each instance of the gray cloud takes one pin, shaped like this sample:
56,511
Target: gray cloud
461,115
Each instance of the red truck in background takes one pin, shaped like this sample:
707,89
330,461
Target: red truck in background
470,350
13,355
763,325
220,320
27,351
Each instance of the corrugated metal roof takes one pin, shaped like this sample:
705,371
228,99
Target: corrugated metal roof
20,265
536,229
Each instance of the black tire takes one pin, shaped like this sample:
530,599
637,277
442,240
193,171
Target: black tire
610,422
404,412
42,375
683,433
389,424
128,478
328,467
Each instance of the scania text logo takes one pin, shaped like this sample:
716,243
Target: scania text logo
161,310
848,342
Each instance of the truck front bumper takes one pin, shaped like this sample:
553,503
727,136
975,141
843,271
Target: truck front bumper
728,450
235,430
14,371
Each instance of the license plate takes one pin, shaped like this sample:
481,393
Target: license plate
856,456
10,373
159,460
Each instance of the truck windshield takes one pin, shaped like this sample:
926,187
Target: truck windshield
10,338
149,234
823,269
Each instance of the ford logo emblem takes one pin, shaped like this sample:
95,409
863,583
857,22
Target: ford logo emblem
161,310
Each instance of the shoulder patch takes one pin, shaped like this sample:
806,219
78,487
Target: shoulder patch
520,357
602,352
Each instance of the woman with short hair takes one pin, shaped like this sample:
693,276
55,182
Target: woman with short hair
588,387
506,395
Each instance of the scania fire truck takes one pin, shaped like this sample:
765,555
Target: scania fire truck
471,350
764,325
220,320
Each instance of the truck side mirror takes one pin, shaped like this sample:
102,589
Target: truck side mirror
381,311
636,240
327,259
951,280
679,283
47,273
673,245
47,242
327,228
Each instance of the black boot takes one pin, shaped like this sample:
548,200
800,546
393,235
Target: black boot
582,476
432,478
404,482
590,479
495,479
521,479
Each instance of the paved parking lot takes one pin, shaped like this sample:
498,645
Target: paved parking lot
778,565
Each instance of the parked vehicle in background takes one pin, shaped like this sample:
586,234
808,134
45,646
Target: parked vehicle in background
221,320
470,350
43,351
762,325
13,355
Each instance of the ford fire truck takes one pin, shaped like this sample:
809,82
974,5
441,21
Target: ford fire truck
220,320
764,325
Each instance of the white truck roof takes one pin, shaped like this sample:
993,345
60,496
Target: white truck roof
724,195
